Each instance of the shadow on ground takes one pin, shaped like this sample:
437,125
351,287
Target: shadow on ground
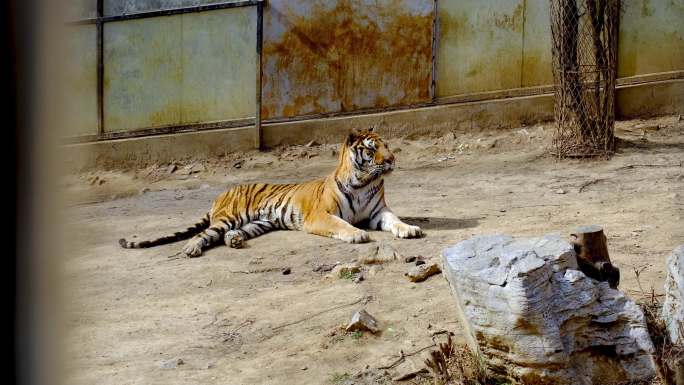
438,223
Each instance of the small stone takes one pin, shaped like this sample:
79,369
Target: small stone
312,143
287,271
362,321
650,127
410,259
192,169
208,365
303,368
324,268
422,272
560,191
171,364
346,269
358,278
172,168
486,144
380,254
145,190
238,164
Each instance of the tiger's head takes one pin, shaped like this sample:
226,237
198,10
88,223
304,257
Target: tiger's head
366,157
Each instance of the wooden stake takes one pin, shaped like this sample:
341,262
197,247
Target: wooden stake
592,255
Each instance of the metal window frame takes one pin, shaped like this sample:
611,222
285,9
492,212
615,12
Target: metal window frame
99,22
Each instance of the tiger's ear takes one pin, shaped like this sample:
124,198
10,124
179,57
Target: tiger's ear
351,138
353,135
371,128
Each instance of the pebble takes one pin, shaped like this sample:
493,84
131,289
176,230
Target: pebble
422,272
362,321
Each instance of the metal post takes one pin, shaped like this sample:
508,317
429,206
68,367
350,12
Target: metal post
99,24
259,44
435,43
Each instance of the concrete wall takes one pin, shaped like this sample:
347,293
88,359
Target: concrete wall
651,37
81,81
331,56
121,7
323,56
490,45
652,98
181,69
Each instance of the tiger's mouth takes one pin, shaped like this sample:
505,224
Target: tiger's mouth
385,168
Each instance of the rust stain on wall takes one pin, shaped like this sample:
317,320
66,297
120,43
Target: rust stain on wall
352,55
509,21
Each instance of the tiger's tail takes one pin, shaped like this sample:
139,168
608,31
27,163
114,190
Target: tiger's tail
178,236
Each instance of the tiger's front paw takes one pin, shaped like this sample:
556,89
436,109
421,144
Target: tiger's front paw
193,248
358,236
402,230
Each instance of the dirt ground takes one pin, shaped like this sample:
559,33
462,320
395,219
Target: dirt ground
133,313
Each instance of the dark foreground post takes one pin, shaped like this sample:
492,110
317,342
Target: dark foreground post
592,254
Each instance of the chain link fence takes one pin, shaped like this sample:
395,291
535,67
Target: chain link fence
584,49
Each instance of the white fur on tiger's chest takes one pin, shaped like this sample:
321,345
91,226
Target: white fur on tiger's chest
358,204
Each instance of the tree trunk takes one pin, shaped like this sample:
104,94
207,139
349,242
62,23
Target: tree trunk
592,255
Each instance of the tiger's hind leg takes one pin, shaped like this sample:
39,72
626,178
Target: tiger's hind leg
236,238
203,240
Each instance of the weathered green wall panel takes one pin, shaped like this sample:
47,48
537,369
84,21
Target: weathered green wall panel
219,65
180,69
536,65
479,43
480,46
651,37
80,9
142,73
80,107
121,7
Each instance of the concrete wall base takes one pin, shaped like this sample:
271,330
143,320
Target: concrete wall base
633,101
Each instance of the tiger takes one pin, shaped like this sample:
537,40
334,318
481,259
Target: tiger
354,193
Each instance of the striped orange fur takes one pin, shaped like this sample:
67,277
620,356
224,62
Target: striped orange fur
330,207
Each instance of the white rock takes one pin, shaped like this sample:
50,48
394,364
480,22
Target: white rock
673,308
362,321
532,314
